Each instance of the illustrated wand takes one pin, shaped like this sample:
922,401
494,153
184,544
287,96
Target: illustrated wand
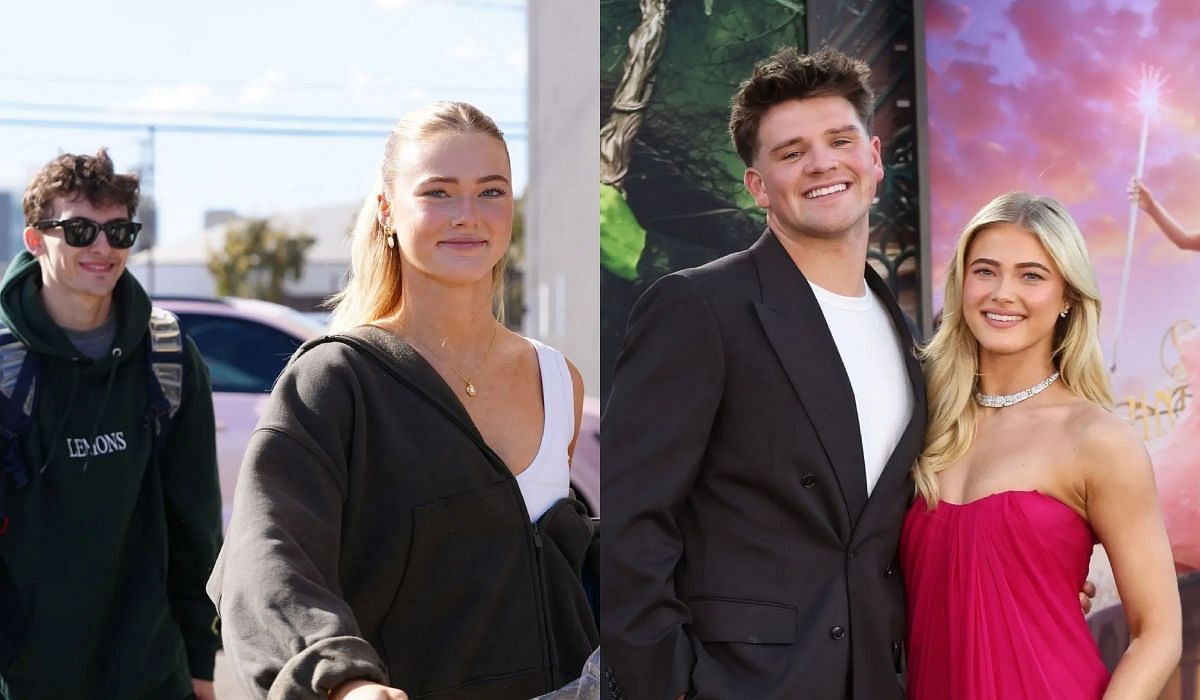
1147,94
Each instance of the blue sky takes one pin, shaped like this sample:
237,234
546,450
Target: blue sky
365,62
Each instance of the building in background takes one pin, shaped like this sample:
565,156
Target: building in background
12,225
562,258
179,266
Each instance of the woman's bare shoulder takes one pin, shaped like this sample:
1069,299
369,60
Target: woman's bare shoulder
1106,444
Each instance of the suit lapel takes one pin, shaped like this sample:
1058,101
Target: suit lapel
908,448
796,329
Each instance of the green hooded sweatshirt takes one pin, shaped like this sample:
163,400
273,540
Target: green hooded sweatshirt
108,550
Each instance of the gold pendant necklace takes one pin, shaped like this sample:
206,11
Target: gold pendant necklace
468,381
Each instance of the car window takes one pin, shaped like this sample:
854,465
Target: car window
242,355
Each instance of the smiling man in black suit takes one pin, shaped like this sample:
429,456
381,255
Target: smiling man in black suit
765,412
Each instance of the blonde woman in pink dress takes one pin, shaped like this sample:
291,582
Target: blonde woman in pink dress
1024,469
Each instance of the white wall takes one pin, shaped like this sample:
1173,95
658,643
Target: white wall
562,202
175,279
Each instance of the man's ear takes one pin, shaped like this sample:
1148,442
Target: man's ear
35,242
877,158
754,185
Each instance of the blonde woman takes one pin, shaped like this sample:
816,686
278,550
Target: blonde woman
402,521
1023,469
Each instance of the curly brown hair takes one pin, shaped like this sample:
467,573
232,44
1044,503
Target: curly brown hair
791,75
72,177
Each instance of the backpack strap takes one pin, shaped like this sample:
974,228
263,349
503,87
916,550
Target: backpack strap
18,379
166,368
18,375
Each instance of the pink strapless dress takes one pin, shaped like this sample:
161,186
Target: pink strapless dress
993,601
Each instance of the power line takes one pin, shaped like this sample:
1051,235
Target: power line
211,129
484,4
378,122
27,79
519,6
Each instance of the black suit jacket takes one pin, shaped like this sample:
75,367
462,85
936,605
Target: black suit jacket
742,557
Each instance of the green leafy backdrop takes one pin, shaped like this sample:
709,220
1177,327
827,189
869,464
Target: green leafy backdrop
683,202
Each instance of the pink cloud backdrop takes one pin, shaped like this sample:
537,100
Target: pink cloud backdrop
1035,95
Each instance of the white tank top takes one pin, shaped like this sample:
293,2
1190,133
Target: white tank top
546,480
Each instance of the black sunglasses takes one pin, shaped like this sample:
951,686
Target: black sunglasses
81,233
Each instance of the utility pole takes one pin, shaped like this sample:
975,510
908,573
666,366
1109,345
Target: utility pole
151,222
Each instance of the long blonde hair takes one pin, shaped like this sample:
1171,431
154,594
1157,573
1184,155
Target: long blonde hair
374,289
952,356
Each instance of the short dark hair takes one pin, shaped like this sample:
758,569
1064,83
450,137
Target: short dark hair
791,75
73,176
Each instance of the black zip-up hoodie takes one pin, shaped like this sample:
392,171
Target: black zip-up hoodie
372,538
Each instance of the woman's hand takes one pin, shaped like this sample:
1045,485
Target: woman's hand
1184,240
366,690
1086,595
1138,193
203,690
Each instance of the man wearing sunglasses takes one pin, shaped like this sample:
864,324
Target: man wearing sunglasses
109,524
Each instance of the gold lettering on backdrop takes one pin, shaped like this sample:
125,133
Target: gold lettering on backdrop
1169,350
1155,413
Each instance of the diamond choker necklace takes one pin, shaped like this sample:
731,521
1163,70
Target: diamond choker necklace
1002,400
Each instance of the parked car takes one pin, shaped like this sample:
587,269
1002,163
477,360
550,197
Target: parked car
246,343
585,467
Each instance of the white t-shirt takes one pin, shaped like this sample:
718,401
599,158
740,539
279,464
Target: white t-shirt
862,329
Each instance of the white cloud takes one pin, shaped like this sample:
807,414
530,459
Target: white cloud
517,59
392,4
381,96
261,89
176,97
416,94
467,49
361,82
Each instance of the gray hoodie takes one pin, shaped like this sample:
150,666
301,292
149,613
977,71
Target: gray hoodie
372,537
